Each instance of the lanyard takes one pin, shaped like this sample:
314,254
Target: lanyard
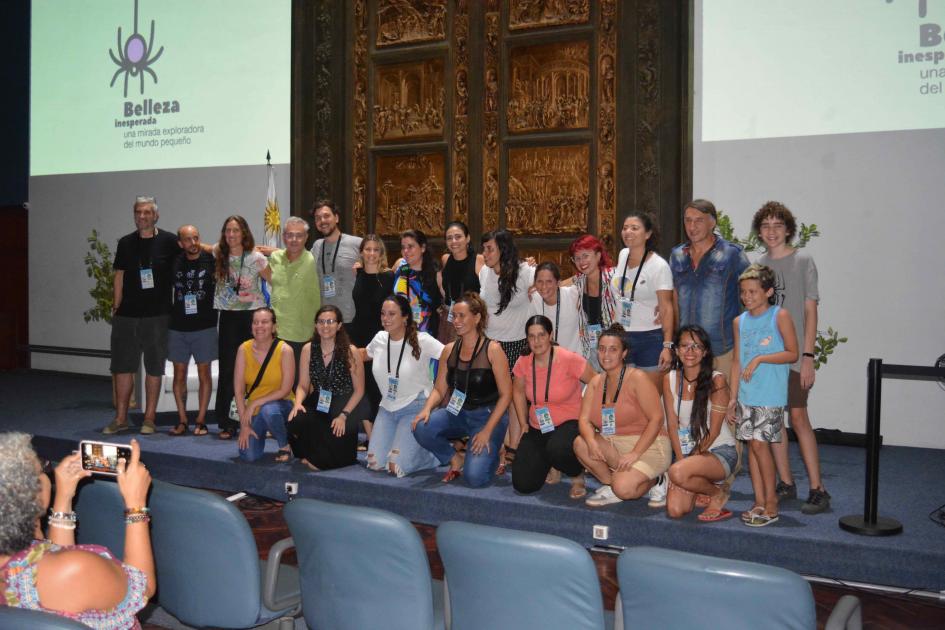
551,359
401,358
557,313
603,398
476,349
146,264
239,274
330,366
334,257
623,276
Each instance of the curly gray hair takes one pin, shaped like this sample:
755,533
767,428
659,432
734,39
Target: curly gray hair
19,492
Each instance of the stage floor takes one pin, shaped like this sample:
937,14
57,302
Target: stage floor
60,409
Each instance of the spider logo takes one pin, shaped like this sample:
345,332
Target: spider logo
134,58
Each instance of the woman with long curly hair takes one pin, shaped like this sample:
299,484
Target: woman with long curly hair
416,280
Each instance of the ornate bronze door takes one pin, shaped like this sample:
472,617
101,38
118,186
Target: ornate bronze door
546,117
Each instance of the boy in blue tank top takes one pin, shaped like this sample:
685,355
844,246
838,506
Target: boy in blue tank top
766,345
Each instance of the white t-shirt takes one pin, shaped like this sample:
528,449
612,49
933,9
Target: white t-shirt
567,326
724,438
656,276
415,374
510,324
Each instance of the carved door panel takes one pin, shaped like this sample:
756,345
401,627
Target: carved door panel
507,113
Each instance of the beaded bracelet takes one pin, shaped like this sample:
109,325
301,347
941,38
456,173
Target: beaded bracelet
138,510
137,518
63,516
62,523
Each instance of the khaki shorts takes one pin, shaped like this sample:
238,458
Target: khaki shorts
796,395
654,461
723,363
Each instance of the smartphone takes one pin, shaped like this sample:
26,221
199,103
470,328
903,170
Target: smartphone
102,457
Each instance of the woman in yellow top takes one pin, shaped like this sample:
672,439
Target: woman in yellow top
267,406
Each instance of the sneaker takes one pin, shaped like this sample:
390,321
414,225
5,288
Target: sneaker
604,496
786,491
817,501
114,428
658,492
148,427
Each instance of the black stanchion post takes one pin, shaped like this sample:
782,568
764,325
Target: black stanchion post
870,524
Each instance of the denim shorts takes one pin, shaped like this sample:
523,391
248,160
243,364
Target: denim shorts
199,344
645,349
728,456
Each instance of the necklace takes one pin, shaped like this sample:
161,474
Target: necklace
689,382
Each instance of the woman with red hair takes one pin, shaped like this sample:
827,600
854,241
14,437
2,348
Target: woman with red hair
597,308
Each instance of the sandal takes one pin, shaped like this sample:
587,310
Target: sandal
753,512
506,457
451,475
712,515
553,477
200,429
180,429
225,434
578,488
283,455
762,520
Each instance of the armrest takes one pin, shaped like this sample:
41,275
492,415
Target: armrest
846,615
271,578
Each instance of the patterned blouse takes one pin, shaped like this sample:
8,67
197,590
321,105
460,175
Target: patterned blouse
333,377
20,575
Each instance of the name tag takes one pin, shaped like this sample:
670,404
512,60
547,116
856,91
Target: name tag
324,400
190,304
147,278
417,313
449,315
392,383
328,286
608,421
593,332
456,402
685,440
543,415
626,304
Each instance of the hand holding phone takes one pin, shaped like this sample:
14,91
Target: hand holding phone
101,458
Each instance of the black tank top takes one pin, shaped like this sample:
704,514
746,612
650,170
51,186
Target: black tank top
482,389
459,276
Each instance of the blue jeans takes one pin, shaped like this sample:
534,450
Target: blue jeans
436,436
271,417
392,441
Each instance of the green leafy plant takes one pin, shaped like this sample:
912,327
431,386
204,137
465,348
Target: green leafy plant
98,266
826,343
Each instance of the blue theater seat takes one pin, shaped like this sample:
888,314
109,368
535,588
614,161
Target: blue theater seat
664,588
361,568
20,619
101,515
208,567
502,578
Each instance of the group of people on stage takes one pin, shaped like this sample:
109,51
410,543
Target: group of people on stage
650,374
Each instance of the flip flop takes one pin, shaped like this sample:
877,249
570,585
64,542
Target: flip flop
712,515
283,455
762,520
451,475
577,491
200,429
180,429
749,514
225,434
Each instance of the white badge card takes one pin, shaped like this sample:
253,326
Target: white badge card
417,313
147,278
456,402
324,400
328,286
449,315
543,415
190,304
392,383
685,440
594,331
608,421
626,304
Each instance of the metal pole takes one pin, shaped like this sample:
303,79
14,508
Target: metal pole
874,387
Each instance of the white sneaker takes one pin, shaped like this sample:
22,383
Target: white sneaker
604,496
658,492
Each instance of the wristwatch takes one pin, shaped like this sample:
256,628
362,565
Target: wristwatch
343,413
669,345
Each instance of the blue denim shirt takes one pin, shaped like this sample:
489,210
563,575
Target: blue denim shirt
708,295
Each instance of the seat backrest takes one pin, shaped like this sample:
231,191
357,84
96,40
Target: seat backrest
20,619
503,578
101,515
674,589
206,558
359,567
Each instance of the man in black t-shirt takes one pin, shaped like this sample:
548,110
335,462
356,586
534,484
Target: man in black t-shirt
142,301
193,328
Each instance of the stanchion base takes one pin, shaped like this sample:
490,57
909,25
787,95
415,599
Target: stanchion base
884,526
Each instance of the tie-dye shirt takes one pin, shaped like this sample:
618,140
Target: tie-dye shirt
423,295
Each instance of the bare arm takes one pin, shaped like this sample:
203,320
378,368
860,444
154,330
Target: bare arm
357,380
519,401
667,320
68,474
672,420
117,288
503,380
675,309
810,341
736,374
718,403
788,355
304,387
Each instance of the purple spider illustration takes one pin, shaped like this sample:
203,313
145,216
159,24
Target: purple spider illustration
134,58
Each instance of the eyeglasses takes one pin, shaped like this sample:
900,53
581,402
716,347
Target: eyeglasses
326,322
293,235
693,347
583,257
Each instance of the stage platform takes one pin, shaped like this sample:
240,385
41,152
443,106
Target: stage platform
61,409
